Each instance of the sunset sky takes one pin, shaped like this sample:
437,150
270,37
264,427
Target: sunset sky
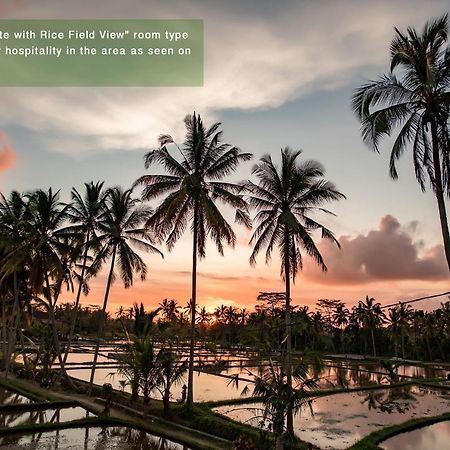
276,74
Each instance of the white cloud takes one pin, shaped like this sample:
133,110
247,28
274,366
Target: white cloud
258,60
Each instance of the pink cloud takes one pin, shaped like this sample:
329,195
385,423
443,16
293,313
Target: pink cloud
386,253
7,154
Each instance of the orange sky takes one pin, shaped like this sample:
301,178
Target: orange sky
231,280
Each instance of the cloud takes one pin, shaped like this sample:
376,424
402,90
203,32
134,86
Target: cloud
7,154
387,253
257,56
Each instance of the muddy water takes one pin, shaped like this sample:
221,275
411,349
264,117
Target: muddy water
338,421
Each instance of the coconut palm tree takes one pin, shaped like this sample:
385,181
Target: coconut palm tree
279,396
231,314
284,200
405,317
170,370
84,212
192,188
204,317
219,313
414,97
340,319
371,316
14,217
119,229
169,309
394,328
47,244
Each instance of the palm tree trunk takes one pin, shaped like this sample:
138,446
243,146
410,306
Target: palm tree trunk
51,312
190,388
430,353
101,327
13,328
403,344
287,276
166,401
4,335
439,191
77,300
373,342
279,442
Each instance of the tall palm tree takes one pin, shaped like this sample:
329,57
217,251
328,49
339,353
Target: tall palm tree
231,314
340,318
191,188
120,228
371,316
47,243
204,317
84,212
393,320
219,313
14,226
169,309
415,98
405,317
284,200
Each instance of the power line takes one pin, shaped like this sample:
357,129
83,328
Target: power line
416,300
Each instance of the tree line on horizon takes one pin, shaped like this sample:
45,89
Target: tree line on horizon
47,245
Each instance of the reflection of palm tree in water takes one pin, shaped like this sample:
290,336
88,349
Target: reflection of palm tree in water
130,439
395,400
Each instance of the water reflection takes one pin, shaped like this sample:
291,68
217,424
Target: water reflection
8,397
433,437
105,438
212,386
340,420
13,419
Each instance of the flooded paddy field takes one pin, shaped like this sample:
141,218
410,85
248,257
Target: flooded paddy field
104,438
338,421
436,437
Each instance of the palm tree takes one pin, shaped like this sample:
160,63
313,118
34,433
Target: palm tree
371,317
394,327
120,228
340,318
231,314
279,396
192,188
243,316
219,313
147,365
14,218
137,361
47,243
84,212
143,320
415,97
284,200
204,317
170,371
404,316
169,309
